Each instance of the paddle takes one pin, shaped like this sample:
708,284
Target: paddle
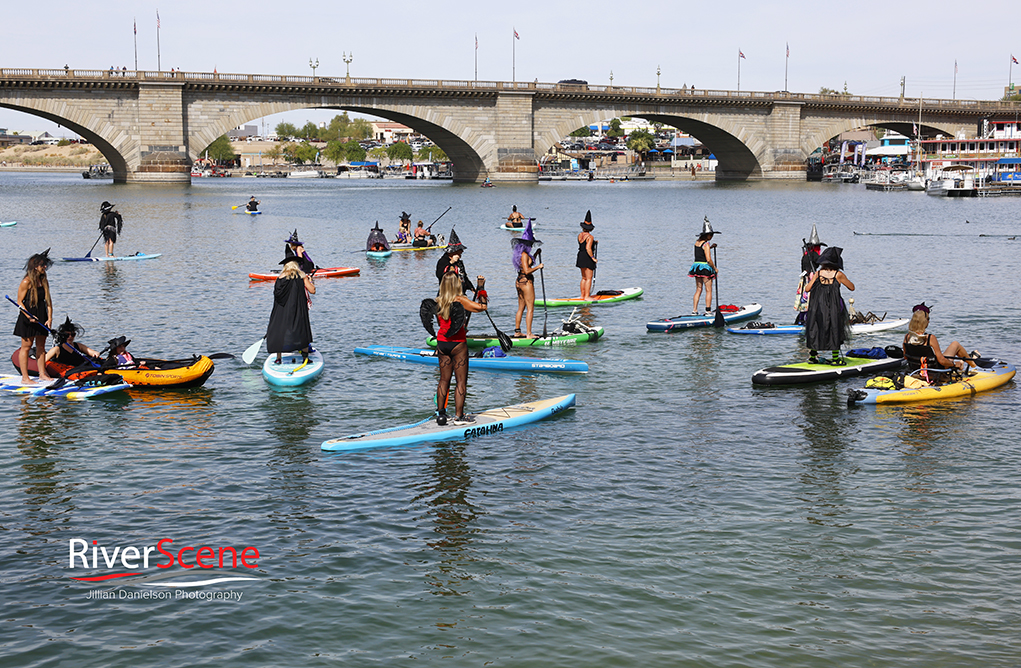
438,219
505,341
595,256
719,321
542,280
89,254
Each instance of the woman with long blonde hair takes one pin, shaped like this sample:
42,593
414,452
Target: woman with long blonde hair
922,349
289,328
34,297
452,310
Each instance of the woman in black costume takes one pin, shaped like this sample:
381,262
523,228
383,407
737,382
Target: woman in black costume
826,322
34,297
451,262
586,256
289,327
110,224
67,350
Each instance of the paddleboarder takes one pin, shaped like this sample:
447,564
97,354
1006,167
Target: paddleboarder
809,265
68,350
703,269
526,267
515,218
110,224
452,311
451,262
586,260
922,351
253,204
827,325
422,237
34,297
289,328
295,248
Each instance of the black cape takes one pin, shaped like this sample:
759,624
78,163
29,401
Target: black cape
289,328
826,322
443,266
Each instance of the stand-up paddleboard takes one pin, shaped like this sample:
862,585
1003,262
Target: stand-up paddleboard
411,247
292,370
10,224
984,378
76,390
689,321
858,329
101,258
601,297
488,340
493,421
509,363
250,213
332,272
521,228
378,255
807,372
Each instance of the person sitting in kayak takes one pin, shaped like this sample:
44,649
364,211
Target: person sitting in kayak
452,311
68,350
703,269
295,248
119,355
110,224
289,328
376,243
515,219
253,204
422,237
922,350
827,324
451,262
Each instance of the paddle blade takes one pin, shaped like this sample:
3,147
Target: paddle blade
249,355
719,321
505,341
222,356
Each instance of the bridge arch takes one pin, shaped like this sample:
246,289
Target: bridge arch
823,133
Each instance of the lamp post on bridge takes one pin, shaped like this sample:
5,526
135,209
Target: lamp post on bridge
313,66
348,57
611,78
657,79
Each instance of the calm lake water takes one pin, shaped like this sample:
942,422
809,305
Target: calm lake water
678,516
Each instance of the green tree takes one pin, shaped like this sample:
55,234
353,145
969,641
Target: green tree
354,151
309,132
274,152
221,150
615,130
359,129
286,131
335,152
399,151
432,154
306,153
640,141
377,153
583,131
828,91
64,142
337,128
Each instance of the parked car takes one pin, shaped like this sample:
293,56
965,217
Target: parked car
573,82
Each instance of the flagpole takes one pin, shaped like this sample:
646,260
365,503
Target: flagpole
514,55
476,56
786,61
159,66
955,81
739,70
134,24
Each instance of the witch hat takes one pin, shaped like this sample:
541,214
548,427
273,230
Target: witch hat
813,240
831,257
587,223
454,244
527,237
105,206
293,239
707,227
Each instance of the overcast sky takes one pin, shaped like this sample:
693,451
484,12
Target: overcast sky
869,45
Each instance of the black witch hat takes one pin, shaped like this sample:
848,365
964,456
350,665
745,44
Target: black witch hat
454,244
587,224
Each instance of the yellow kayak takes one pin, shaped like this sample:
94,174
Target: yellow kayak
999,373
163,373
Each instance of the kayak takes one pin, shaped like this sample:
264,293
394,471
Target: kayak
857,329
520,228
85,388
601,297
162,374
253,213
378,255
54,369
689,321
409,247
985,378
136,256
10,224
332,272
292,370
489,340
493,421
807,372
509,363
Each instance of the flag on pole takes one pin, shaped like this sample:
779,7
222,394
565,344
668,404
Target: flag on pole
157,19
741,54
135,24
476,41
1013,59
517,36
788,50
955,67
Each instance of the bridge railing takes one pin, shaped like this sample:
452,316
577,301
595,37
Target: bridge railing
341,83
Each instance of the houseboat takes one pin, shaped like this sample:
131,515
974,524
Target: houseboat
994,159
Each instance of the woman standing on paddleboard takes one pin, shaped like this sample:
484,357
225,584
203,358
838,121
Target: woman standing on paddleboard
827,325
703,269
451,263
289,328
110,224
34,297
452,310
586,256
525,283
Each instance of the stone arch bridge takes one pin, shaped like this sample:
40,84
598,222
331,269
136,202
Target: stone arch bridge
151,126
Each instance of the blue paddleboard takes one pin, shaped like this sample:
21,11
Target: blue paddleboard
292,370
509,363
689,321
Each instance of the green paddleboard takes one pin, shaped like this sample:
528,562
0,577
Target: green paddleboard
602,297
487,340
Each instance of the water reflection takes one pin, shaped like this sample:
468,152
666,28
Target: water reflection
110,283
292,418
825,434
43,429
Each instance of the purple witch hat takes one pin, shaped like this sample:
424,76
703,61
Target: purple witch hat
523,244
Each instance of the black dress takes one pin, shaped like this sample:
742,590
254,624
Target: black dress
289,328
27,329
584,261
826,322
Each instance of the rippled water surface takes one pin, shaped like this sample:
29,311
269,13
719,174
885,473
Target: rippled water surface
678,516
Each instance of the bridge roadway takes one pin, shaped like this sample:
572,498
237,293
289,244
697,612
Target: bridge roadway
151,125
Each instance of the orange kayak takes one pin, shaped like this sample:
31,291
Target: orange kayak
155,373
331,272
